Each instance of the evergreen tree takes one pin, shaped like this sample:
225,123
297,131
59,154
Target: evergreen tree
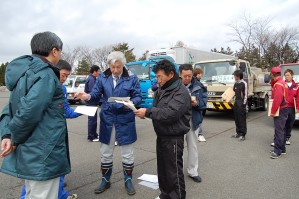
124,47
2,74
228,51
83,68
143,57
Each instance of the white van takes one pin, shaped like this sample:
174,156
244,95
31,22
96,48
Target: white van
74,84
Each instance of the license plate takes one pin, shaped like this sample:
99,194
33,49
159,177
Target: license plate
210,105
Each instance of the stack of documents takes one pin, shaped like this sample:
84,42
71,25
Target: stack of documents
124,100
150,181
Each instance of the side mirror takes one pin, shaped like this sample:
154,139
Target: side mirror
152,74
243,68
267,78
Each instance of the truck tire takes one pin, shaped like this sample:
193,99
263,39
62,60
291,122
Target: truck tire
265,103
72,102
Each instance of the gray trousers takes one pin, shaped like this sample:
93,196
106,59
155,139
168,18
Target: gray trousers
42,189
106,151
192,163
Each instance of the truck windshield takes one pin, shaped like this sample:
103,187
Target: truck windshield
140,71
68,82
295,69
217,72
80,80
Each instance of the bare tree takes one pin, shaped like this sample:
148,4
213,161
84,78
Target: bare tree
263,45
285,38
100,56
179,44
242,31
70,56
86,53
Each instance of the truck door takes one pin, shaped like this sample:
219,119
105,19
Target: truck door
244,67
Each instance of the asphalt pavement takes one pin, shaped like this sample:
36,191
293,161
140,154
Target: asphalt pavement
229,169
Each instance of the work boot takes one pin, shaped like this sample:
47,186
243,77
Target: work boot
128,169
106,174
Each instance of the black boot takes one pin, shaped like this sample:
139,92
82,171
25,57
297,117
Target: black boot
128,169
106,174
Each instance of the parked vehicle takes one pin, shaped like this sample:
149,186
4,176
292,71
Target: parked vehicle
218,76
147,78
185,55
74,84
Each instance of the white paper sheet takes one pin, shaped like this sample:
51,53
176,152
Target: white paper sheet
87,110
151,185
128,104
149,178
113,99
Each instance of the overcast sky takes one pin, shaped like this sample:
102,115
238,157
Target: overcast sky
143,24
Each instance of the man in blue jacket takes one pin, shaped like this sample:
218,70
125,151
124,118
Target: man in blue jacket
117,122
92,120
199,98
33,125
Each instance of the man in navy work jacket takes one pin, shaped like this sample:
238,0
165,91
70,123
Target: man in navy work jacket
92,120
33,125
117,122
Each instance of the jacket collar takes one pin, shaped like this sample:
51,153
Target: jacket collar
294,85
108,72
276,80
195,85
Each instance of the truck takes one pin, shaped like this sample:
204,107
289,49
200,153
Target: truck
74,84
186,55
218,76
144,71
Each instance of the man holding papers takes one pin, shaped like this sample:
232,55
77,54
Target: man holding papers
171,116
117,121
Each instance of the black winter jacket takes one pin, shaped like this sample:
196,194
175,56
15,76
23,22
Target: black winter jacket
171,112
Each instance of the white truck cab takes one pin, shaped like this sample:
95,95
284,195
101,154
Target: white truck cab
74,84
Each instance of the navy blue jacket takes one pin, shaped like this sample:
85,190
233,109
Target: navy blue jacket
115,113
89,84
197,89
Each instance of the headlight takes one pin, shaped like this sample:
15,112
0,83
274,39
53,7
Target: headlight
150,93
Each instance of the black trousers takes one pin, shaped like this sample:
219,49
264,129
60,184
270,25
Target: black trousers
290,122
170,167
280,131
240,118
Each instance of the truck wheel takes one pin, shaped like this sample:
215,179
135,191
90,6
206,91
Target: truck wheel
72,102
265,103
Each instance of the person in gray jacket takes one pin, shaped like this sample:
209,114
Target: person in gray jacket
33,125
199,98
171,116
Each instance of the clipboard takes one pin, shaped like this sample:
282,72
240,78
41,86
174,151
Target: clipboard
296,114
228,94
270,107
